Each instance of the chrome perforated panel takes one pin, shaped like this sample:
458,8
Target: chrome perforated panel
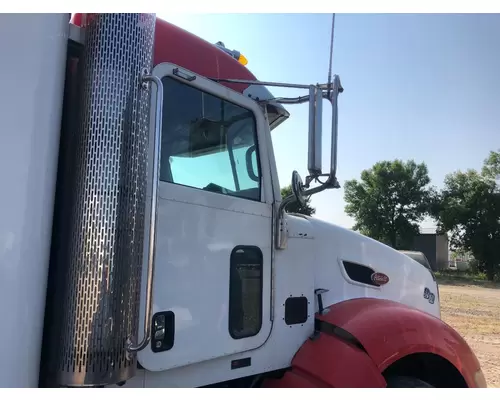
99,295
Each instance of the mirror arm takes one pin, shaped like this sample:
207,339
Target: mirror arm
291,100
281,229
285,202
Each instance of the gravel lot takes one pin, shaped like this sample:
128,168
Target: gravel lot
473,309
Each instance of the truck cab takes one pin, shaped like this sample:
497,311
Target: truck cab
161,247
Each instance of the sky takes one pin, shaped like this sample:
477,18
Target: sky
416,86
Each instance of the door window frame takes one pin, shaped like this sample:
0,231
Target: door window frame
229,153
224,93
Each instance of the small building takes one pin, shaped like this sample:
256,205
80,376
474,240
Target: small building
435,248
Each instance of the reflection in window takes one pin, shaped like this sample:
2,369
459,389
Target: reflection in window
208,143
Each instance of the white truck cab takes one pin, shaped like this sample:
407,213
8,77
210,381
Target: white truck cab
145,240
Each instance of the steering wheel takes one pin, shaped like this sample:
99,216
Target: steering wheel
212,187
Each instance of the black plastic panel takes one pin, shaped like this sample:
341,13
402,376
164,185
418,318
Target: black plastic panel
241,363
296,310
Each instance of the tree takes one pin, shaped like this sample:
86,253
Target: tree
491,166
295,207
389,201
469,209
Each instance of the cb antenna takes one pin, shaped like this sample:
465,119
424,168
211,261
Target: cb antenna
331,57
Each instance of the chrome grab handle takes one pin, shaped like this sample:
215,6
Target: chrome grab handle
131,347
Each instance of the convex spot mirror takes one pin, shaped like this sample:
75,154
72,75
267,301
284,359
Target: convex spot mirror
298,188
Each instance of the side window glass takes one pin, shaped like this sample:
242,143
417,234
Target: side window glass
208,143
245,292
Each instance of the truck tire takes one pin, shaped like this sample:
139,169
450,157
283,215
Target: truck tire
406,382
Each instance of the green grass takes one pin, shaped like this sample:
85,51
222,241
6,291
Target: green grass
464,275
465,278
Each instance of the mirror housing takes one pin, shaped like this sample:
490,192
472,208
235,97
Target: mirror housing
331,93
315,130
315,98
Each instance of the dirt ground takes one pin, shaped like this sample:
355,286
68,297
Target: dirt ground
473,309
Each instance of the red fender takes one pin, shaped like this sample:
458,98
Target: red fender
389,331
327,362
376,333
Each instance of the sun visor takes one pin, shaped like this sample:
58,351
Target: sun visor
276,113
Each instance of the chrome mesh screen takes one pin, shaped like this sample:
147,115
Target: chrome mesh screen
98,294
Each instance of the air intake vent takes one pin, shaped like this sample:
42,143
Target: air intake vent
360,273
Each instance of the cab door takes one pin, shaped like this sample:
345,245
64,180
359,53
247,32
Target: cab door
212,282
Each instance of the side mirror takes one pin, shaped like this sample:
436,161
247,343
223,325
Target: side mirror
298,188
315,130
317,93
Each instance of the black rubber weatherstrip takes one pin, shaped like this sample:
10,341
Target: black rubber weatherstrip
333,330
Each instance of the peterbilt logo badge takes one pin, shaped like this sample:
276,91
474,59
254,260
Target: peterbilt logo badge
429,296
378,278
